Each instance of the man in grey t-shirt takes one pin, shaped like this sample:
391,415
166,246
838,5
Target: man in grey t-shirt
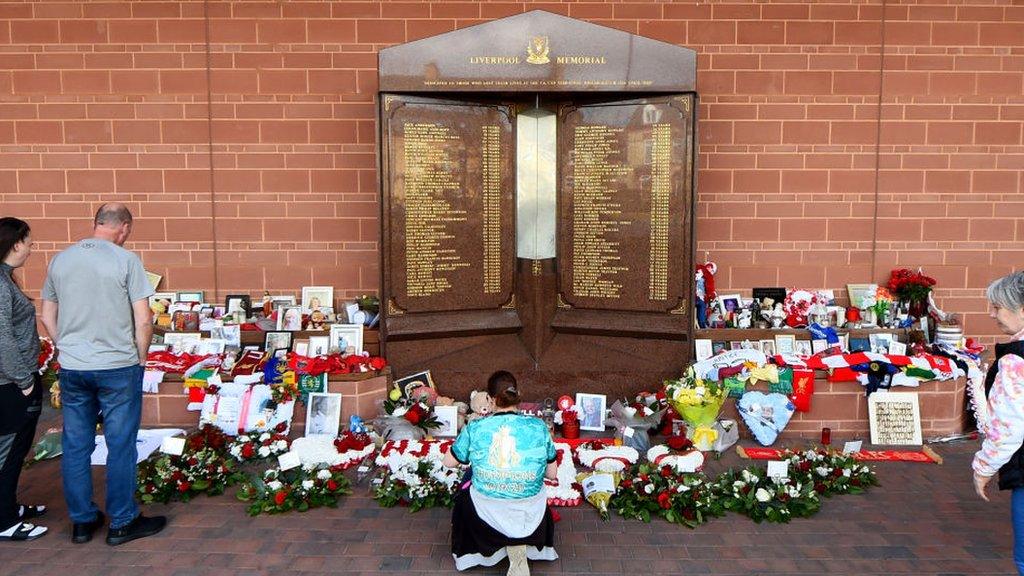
96,308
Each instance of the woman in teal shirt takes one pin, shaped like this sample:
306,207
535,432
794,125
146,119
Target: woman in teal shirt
504,512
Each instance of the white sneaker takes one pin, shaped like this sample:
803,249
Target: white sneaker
517,563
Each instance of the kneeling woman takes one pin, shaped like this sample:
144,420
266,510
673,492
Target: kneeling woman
504,512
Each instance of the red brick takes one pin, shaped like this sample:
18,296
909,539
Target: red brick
41,182
757,132
711,32
135,81
132,31
997,133
805,132
232,31
996,229
34,31
380,31
854,133
83,31
33,81
813,33
87,132
38,132
760,32
760,82
808,82
950,133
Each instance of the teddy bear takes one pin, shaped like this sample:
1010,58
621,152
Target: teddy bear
480,404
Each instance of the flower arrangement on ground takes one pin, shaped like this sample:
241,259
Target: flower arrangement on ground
564,491
647,490
752,493
402,418
412,474
831,473
300,488
678,453
259,445
641,414
205,466
697,401
605,457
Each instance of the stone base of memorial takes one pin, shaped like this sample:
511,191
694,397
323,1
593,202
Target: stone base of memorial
843,407
360,394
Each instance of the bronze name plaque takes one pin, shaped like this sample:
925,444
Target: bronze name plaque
451,211
624,205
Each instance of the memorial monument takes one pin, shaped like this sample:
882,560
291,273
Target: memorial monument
537,178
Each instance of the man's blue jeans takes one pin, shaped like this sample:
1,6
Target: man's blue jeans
118,394
1017,515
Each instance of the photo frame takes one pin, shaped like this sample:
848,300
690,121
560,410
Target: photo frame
154,279
276,340
323,414
718,346
345,335
182,341
594,407
857,292
282,300
703,349
182,321
211,346
301,347
818,345
859,345
729,303
735,345
897,348
289,318
768,347
319,345
803,348
406,384
894,418
317,297
448,416
163,298
281,353
196,296
785,344
236,302
776,294
880,342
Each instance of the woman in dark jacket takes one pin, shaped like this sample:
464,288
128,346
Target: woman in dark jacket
20,388
1004,432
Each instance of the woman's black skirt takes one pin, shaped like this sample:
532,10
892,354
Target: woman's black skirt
477,543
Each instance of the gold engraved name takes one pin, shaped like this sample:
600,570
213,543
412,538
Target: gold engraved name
494,59
585,60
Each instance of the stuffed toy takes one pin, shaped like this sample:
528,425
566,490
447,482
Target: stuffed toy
705,290
480,404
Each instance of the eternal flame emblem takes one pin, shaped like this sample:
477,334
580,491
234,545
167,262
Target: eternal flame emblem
537,50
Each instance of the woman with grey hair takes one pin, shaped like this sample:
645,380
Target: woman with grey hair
1004,432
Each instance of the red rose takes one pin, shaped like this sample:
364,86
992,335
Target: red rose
837,473
413,415
378,363
664,500
819,488
332,485
666,471
783,497
280,497
689,514
745,489
627,483
805,466
248,451
643,477
679,443
150,488
280,428
855,482
184,486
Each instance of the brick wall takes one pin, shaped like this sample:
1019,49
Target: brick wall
822,163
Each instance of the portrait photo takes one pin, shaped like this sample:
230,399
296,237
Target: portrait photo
317,297
276,340
323,414
160,302
448,416
237,302
289,318
593,407
768,347
803,348
319,345
729,303
190,297
345,335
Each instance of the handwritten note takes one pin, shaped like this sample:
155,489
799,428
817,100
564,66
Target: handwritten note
895,418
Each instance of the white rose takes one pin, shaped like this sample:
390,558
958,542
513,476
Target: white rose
738,484
281,445
683,488
264,451
274,485
846,472
264,437
822,471
307,484
629,411
324,474
762,495
699,390
649,488
400,411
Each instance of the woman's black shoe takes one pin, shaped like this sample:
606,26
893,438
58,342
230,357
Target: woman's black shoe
81,532
138,528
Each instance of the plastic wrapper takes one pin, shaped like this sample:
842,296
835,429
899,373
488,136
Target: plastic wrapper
598,489
624,417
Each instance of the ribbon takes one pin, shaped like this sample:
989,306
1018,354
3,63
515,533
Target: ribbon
243,413
766,373
624,461
704,436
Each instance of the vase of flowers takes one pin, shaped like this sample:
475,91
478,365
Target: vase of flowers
912,288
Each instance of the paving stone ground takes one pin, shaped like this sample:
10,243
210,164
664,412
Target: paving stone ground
923,519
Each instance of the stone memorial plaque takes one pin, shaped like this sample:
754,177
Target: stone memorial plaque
625,205
450,211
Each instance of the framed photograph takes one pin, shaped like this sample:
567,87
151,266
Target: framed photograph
283,300
319,345
276,340
182,341
718,346
897,348
703,349
785,344
818,345
894,418
880,342
768,347
289,318
190,296
844,342
232,334
157,348
237,302
407,384
323,414
302,347
859,345
729,303
211,346
281,353
309,384
776,294
753,345
857,292
182,321
317,297
154,279
594,407
161,301
345,335
803,348
448,416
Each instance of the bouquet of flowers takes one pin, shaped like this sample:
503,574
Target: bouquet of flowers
751,493
831,473
910,286
299,488
204,466
353,448
412,474
640,415
648,490
49,369
697,401
879,302
259,445
678,454
407,418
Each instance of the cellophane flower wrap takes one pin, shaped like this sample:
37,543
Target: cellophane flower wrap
697,401
640,416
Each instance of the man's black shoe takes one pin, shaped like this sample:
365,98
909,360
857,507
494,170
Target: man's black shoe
81,532
138,528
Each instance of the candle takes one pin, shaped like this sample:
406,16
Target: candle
826,436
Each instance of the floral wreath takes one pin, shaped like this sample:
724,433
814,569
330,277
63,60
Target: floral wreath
798,305
46,352
605,458
395,453
563,492
258,445
677,455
